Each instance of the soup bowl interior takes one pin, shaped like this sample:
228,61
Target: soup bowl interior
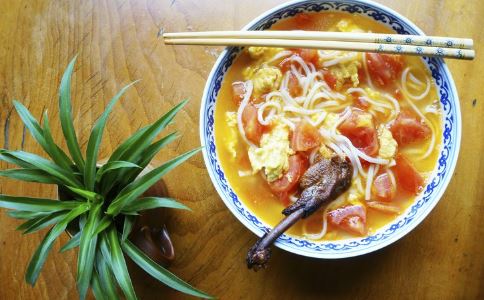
423,204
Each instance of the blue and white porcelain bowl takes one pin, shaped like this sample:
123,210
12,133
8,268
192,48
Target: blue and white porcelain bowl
423,204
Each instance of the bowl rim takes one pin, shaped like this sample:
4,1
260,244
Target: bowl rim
397,235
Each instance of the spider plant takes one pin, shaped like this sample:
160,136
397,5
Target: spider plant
100,203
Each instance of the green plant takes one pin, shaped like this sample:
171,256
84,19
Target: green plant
102,202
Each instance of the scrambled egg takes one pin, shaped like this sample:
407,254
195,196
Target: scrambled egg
347,25
330,121
325,151
273,153
266,79
264,53
388,145
231,137
364,120
372,93
344,72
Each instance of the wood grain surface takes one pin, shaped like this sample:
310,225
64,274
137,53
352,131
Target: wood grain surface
117,43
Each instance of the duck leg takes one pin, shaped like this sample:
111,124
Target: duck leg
324,181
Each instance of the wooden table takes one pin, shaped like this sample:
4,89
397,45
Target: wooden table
117,43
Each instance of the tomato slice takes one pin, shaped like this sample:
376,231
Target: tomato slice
383,188
305,137
407,176
329,78
295,90
349,218
359,127
408,129
308,55
238,91
298,164
253,129
384,69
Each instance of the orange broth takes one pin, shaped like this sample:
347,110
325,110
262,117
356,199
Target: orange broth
253,190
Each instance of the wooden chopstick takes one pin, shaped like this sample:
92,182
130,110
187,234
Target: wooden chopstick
411,40
406,49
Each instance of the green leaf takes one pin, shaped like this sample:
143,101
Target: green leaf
56,153
72,243
65,114
147,155
103,224
160,273
141,143
105,277
114,165
36,204
87,250
45,165
96,138
139,186
13,160
45,221
20,214
88,195
118,265
152,202
127,144
30,175
97,290
40,255
127,226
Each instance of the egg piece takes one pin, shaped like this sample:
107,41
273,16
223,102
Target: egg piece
266,79
388,145
264,53
231,139
330,121
346,72
273,154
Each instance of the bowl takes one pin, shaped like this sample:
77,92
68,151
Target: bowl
423,204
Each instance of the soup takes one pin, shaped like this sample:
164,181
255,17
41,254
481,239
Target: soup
280,110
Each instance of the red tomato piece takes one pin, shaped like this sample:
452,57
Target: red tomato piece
238,91
361,133
295,89
305,137
349,218
408,129
298,164
309,55
384,69
329,78
253,129
407,176
383,188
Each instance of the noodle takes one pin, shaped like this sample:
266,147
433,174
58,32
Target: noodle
248,92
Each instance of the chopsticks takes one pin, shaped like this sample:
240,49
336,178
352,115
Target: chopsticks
446,47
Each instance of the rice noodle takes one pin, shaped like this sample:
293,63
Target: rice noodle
271,114
392,177
405,89
248,92
322,233
369,182
280,55
301,62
